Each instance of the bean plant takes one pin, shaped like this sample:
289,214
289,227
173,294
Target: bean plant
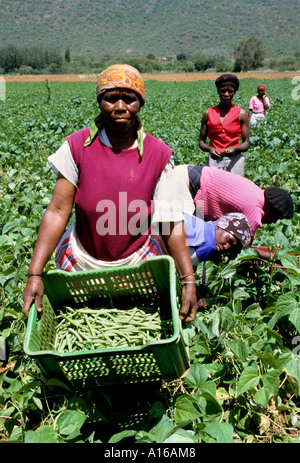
244,379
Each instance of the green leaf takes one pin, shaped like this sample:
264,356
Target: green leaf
222,433
3,239
197,375
253,313
285,304
58,383
294,279
226,318
38,402
208,387
216,322
273,334
269,360
45,435
237,306
11,311
229,270
240,293
162,429
7,411
270,381
180,436
290,263
70,421
291,365
203,328
78,404
8,226
248,380
240,348
295,318
208,404
261,397
185,410
121,435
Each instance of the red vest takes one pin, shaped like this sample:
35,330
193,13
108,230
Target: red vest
114,192
226,134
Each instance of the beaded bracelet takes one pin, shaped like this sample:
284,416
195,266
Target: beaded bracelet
34,275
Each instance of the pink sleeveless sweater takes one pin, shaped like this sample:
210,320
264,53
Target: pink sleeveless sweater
114,192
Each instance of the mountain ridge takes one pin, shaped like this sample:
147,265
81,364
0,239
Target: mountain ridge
165,27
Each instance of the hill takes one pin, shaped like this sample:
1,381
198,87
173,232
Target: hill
161,27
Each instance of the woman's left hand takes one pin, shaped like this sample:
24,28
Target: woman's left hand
231,151
189,304
175,243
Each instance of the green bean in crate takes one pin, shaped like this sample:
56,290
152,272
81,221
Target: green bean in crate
152,284
101,328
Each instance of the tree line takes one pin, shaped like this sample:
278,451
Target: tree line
16,57
248,55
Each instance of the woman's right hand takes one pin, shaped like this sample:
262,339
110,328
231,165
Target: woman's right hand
214,153
33,294
53,225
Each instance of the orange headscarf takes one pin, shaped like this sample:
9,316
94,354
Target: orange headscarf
121,76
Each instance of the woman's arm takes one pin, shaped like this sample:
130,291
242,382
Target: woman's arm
52,227
250,115
251,104
177,247
203,136
244,146
266,101
244,121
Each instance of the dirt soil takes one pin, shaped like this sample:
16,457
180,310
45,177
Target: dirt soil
185,77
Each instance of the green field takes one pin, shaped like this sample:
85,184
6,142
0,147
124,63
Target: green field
244,382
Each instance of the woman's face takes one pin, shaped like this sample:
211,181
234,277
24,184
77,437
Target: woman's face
226,93
119,108
224,241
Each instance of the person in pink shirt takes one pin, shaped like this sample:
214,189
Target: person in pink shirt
211,193
258,105
227,128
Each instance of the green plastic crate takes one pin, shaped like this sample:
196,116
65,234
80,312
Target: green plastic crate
154,282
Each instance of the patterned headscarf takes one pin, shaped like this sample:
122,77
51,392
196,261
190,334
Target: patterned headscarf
121,76
236,224
261,87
